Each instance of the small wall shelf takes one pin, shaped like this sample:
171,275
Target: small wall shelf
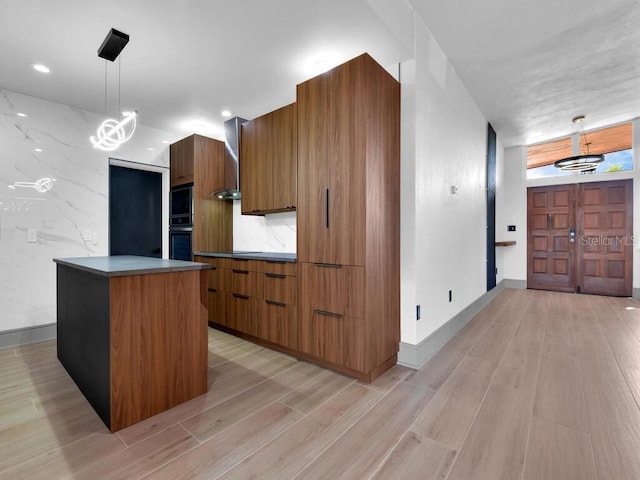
506,243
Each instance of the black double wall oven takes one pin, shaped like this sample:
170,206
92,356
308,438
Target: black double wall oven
181,223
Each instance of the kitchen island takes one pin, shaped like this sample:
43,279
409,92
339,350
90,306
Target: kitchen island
132,333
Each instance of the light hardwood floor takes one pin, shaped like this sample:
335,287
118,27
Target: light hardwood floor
537,386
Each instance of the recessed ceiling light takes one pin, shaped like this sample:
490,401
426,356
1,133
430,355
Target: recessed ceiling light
41,68
20,114
37,149
225,113
165,141
578,119
150,149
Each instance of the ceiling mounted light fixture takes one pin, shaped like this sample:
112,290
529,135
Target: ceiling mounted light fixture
584,162
112,133
42,185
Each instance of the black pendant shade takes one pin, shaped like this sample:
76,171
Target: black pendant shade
580,163
113,44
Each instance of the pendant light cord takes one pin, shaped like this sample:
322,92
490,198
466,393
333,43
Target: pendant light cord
105,87
119,65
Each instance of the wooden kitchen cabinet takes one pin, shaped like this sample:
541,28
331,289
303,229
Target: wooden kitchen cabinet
268,162
201,161
181,162
279,322
348,214
255,298
216,289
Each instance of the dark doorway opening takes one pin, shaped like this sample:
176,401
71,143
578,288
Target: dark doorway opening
135,212
491,208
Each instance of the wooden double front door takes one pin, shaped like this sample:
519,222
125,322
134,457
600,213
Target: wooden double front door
580,238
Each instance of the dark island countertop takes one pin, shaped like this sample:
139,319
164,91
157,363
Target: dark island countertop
245,255
121,265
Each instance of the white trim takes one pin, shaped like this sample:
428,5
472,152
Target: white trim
415,356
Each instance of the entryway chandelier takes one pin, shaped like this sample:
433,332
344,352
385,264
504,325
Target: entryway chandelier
114,132
583,163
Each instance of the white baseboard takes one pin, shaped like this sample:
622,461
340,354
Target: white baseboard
23,336
415,356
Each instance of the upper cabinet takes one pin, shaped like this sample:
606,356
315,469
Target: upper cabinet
201,161
268,162
348,164
181,161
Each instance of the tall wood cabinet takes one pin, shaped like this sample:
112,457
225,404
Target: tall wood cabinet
348,216
268,157
200,160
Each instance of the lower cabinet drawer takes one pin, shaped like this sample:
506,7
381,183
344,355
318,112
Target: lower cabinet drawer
332,288
216,278
244,282
216,306
280,288
242,313
278,323
335,338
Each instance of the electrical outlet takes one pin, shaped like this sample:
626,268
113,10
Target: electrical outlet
450,295
95,238
511,228
32,235
86,234
417,312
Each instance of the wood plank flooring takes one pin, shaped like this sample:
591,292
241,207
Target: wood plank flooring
537,386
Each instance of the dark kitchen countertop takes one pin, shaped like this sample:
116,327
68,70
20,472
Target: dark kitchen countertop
121,265
268,256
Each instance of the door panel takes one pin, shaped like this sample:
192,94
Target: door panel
604,219
550,253
314,124
599,260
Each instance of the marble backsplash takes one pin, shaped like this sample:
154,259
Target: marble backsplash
270,233
76,203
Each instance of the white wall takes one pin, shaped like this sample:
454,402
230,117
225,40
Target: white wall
77,201
512,210
444,237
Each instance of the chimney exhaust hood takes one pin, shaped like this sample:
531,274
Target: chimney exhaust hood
231,189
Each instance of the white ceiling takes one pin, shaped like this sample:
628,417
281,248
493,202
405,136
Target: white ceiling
534,65
531,66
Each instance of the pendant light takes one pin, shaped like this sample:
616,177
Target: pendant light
113,132
583,163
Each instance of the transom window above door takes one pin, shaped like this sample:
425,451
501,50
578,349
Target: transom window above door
615,143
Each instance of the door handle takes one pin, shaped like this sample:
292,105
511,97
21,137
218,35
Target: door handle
326,208
572,235
326,313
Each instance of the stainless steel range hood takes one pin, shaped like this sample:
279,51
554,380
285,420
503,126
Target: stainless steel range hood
231,189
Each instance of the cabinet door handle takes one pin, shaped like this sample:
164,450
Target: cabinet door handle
326,208
275,275
243,297
243,272
277,304
276,261
213,290
328,265
327,314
